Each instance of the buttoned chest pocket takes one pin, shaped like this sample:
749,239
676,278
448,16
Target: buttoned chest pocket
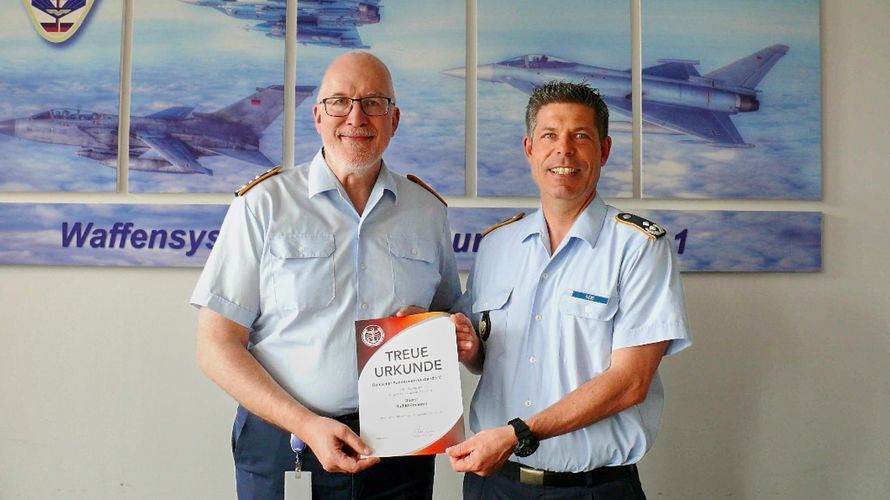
302,269
415,270
490,309
587,324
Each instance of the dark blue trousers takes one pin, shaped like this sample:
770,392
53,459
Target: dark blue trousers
499,487
263,454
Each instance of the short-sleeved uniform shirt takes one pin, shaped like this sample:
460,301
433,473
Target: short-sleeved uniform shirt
297,265
555,320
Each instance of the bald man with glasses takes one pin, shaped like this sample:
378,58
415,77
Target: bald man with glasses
303,253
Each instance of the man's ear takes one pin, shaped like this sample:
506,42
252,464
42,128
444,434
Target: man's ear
605,149
316,115
527,146
396,115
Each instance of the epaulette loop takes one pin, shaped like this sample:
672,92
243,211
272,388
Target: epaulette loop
649,228
503,223
417,180
258,179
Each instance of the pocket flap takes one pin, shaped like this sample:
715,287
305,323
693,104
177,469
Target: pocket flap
302,246
492,299
589,307
412,248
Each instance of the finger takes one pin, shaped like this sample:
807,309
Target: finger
354,465
354,443
409,310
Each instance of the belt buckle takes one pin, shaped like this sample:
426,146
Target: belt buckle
532,477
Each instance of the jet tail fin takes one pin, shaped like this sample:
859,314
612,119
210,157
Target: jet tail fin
257,111
748,71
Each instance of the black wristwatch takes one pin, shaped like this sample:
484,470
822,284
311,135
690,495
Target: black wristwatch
526,442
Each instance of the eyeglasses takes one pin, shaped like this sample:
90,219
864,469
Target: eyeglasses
342,106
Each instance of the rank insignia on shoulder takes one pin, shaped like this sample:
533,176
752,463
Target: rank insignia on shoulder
650,229
258,179
503,223
417,180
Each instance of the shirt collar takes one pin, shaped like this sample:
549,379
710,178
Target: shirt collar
586,227
322,178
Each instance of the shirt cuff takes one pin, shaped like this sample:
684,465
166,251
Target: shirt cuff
230,310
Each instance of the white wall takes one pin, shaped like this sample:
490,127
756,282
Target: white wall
784,394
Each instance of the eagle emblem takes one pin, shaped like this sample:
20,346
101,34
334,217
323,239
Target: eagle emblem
58,20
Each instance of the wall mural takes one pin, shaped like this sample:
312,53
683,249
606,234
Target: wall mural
741,120
525,43
59,102
417,40
745,119
182,235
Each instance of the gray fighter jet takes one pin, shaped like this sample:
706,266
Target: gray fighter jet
328,23
169,141
676,98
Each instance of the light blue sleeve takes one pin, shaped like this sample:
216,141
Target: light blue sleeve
652,307
230,281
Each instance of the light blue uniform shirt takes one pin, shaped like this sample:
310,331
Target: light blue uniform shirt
298,266
555,321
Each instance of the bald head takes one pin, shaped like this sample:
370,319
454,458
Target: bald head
349,69
354,143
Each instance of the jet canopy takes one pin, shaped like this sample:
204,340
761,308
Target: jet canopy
535,61
66,114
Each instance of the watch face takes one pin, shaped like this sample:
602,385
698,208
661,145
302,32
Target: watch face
525,447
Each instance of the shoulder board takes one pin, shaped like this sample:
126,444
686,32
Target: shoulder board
258,179
650,229
416,180
503,223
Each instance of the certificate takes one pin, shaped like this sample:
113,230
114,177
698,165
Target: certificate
409,392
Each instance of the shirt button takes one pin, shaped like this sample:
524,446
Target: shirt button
532,360
539,317
545,275
364,306
364,266
413,251
528,403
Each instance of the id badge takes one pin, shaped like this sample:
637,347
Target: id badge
298,485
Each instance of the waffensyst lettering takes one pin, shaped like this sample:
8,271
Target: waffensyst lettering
127,235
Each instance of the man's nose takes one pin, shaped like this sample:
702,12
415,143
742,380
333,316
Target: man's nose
565,146
356,115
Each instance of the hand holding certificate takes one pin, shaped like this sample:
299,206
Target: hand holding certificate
409,384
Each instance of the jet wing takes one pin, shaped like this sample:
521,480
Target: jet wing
176,152
618,104
248,155
709,125
523,85
350,39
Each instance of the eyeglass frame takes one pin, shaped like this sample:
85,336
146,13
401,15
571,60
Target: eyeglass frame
390,103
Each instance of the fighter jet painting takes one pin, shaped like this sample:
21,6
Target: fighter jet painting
326,23
676,98
171,141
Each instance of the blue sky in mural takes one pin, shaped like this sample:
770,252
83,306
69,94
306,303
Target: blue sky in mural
589,32
188,55
417,40
82,72
785,162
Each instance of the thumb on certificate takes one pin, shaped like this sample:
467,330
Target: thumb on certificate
409,310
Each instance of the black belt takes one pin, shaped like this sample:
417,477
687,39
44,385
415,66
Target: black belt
537,477
351,420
